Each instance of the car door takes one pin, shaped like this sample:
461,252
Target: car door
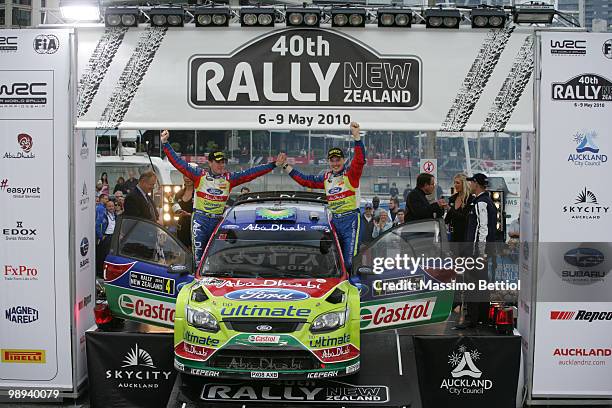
144,271
400,295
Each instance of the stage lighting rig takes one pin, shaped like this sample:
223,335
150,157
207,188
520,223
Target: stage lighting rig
442,18
303,17
487,17
167,16
348,17
121,16
534,13
212,16
394,17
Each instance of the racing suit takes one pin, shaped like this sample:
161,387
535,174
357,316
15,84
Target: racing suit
343,198
211,194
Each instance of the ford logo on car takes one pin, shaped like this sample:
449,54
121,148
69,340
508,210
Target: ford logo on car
267,295
214,191
334,190
263,327
583,257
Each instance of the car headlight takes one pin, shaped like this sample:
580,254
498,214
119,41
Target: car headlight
329,321
202,319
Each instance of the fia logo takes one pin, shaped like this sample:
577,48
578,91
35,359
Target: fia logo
46,44
607,49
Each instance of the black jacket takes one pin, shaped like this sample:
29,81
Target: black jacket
457,219
482,223
419,208
368,228
136,205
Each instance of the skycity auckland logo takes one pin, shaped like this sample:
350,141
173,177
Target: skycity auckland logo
26,143
587,151
586,207
462,360
138,371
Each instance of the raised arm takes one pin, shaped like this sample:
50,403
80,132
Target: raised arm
240,177
306,180
194,173
356,168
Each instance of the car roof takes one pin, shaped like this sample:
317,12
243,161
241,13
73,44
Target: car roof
246,213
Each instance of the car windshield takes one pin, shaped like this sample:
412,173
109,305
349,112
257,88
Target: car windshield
272,254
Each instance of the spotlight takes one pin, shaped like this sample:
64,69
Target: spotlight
212,16
303,17
166,17
121,17
499,202
488,18
80,10
442,18
534,13
256,17
351,17
394,17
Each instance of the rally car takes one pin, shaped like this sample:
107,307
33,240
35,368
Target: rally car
271,298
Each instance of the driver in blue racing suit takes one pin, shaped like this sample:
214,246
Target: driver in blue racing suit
212,190
341,184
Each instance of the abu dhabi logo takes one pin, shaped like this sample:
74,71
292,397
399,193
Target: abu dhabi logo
138,357
84,148
587,150
462,360
586,206
26,143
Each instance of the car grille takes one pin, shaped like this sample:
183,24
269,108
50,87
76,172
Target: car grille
264,360
256,326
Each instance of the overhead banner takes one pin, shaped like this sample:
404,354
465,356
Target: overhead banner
573,316
35,286
305,78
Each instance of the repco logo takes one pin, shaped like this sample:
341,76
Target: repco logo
568,47
46,44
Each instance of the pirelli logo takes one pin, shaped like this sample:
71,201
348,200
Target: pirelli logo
23,356
557,315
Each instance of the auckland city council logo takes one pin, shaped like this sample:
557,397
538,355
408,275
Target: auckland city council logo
587,151
465,376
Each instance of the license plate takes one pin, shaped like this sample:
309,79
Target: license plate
264,374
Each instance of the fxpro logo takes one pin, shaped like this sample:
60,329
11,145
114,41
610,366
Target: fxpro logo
466,377
284,68
8,44
138,371
587,151
46,44
21,314
586,207
20,273
19,192
23,93
20,233
568,47
582,315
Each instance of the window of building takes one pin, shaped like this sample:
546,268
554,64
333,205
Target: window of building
21,17
23,2
2,18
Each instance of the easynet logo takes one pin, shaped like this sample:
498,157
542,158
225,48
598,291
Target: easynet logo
581,315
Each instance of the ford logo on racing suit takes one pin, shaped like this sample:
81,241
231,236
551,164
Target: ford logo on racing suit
214,191
267,295
334,190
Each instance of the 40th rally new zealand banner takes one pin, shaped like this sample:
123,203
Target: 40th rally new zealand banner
297,78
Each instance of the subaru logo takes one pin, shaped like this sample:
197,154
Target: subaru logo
84,247
583,257
263,328
267,295
214,191
334,190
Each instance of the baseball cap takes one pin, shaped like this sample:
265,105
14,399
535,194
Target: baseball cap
369,205
335,152
480,178
216,156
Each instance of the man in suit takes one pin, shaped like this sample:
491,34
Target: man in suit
417,205
138,202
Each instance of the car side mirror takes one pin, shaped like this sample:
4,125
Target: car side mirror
178,269
365,270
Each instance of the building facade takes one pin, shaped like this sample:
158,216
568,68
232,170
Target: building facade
24,13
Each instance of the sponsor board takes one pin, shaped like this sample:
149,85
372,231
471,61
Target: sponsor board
267,295
147,309
465,377
21,314
25,143
582,315
137,371
586,207
20,273
23,356
19,191
397,313
20,232
153,283
584,87
332,391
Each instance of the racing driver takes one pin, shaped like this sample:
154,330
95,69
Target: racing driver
212,189
341,184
